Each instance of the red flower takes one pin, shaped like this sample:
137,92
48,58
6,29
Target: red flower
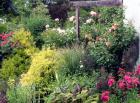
105,96
129,86
121,84
127,78
138,70
111,81
5,36
3,43
129,73
135,81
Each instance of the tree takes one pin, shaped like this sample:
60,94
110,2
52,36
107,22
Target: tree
6,6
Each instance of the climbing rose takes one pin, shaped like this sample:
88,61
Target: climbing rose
121,84
93,13
111,81
105,96
114,26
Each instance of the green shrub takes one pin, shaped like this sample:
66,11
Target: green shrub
15,65
72,60
54,38
73,88
36,22
101,55
42,69
109,37
19,94
3,28
36,25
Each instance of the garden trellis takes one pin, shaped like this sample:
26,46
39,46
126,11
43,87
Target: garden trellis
78,4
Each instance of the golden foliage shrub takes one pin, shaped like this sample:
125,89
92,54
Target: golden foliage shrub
43,64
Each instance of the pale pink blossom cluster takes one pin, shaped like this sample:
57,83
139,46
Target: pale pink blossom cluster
72,18
93,13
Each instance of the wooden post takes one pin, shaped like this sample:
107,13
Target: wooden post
78,4
77,24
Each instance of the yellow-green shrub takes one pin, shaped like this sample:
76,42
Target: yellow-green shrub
43,64
15,65
23,37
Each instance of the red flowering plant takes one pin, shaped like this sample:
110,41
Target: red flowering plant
127,83
6,43
105,96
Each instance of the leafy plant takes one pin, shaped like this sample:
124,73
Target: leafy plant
72,60
15,65
52,38
3,28
43,67
20,94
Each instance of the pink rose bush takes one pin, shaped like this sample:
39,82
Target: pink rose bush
126,81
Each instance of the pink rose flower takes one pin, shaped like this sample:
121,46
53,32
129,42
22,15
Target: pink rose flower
111,81
137,72
121,84
105,96
129,86
127,78
114,26
135,81
93,13
128,73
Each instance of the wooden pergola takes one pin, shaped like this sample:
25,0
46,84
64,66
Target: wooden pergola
78,4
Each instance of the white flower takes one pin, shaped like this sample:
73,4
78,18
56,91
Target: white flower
93,13
72,18
2,21
88,21
54,29
47,26
57,19
81,66
61,31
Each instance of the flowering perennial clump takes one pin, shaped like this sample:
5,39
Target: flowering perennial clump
126,81
4,38
93,13
105,96
111,81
